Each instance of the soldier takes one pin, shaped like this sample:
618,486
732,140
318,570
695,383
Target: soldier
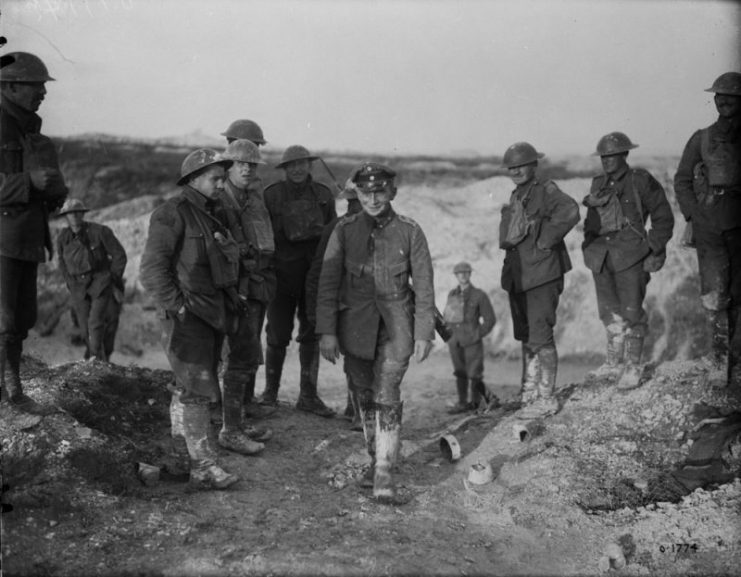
190,266
299,208
92,262
249,223
621,253
312,286
365,310
31,186
708,189
471,317
532,230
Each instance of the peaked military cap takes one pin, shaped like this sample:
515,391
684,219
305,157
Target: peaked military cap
373,176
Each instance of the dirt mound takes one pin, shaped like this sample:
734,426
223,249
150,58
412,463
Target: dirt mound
564,499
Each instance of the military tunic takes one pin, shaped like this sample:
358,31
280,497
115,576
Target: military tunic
708,188
298,213
615,251
533,270
470,316
176,271
366,300
24,212
91,262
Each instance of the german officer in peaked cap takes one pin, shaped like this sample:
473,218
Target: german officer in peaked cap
366,311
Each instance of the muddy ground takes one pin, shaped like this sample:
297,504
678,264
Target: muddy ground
558,504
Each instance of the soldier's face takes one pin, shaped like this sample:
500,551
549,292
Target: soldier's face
613,163
210,181
240,173
27,95
75,220
464,277
522,174
298,170
378,202
728,105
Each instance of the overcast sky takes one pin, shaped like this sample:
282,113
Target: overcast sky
402,76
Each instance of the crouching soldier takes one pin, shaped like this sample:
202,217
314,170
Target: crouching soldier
470,316
708,187
533,226
190,266
621,253
365,311
92,262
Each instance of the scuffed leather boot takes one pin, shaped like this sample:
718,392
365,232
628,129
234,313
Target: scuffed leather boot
274,359
633,370
546,404
461,385
308,399
231,436
388,441
612,368
204,472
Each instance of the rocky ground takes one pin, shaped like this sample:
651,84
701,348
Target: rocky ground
581,493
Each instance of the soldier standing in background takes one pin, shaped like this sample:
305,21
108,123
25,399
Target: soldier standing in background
365,309
31,186
299,208
621,253
92,262
470,316
190,266
708,188
249,223
533,227
312,287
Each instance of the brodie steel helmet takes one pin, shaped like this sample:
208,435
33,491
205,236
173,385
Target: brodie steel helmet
23,67
243,150
293,153
727,83
614,143
519,154
198,160
247,129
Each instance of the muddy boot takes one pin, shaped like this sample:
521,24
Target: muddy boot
308,400
357,421
612,368
204,472
13,384
176,417
367,410
530,376
461,385
349,412
546,404
388,441
718,365
252,408
231,436
274,359
633,370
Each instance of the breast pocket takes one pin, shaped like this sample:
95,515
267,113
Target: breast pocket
399,275
194,250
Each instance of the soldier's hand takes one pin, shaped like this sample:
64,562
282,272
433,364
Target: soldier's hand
422,350
330,348
42,178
